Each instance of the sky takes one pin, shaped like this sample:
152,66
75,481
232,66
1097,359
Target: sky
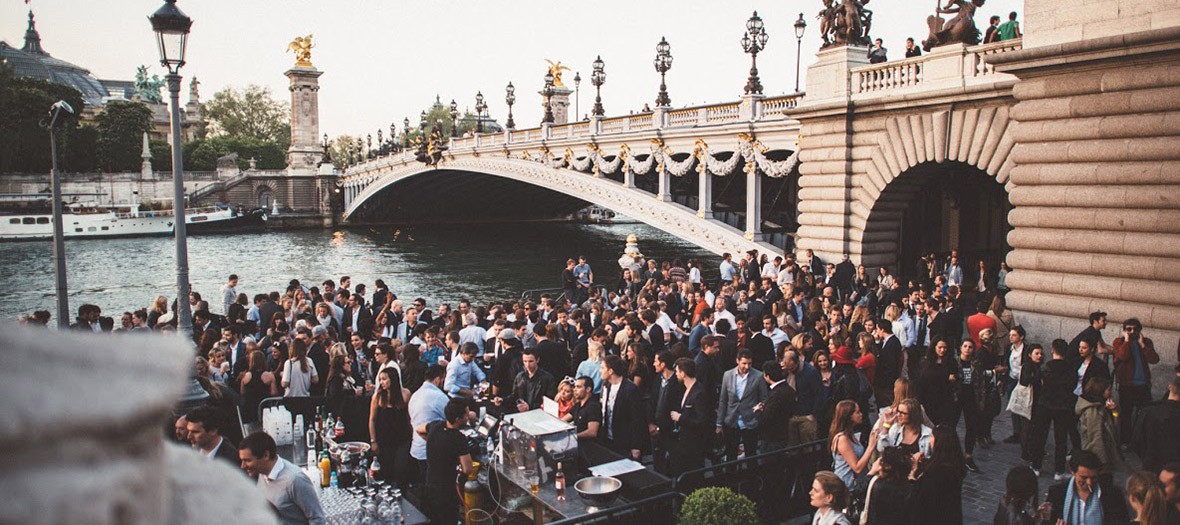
384,60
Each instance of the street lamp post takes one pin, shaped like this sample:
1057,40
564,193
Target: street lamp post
327,156
548,99
510,98
598,78
59,245
392,137
480,108
380,143
800,27
752,42
454,118
369,146
577,95
422,125
172,26
663,63
406,133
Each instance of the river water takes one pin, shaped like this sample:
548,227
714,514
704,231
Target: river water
440,263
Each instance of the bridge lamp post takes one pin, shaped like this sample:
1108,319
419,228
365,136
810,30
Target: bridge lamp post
380,143
369,147
752,42
454,118
577,94
406,133
59,245
548,99
327,156
171,26
422,125
598,78
663,63
480,108
392,137
510,98
800,28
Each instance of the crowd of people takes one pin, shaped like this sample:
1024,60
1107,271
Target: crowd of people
672,368
995,32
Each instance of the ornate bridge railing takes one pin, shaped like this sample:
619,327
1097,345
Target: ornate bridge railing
943,67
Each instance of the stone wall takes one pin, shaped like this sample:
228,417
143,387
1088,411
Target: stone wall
1050,22
120,185
1097,175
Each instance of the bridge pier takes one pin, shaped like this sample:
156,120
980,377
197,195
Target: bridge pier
664,193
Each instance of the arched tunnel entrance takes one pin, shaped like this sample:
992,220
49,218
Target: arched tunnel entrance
462,196
935,208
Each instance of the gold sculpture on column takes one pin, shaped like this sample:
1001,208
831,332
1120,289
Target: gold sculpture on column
301,46
555,69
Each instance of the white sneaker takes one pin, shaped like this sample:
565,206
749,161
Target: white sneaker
1061,476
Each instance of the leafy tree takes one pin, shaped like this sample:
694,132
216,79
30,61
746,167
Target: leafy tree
162,157
121,126
249,112
80,153
202,155
24,106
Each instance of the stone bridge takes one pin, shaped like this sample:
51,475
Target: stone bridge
1058,160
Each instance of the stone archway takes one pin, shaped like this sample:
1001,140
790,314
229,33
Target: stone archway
974,142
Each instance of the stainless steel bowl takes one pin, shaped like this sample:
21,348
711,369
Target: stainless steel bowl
600,491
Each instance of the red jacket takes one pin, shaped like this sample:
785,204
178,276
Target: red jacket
1124,362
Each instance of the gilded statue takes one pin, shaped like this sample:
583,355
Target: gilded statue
555,69
301,46
845,23
961,28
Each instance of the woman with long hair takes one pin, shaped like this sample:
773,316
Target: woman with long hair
1018,506
940,479
1032,377
299,372
591,367
867,362
340,380
885,282
639,371
1000,313
257,383
389,427
413,369
937,381
890,498
829,496
908,433
159,308
1146,496
850,459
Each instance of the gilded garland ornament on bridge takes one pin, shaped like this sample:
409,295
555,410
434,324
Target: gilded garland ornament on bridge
961,28
845,23
555,69
301,46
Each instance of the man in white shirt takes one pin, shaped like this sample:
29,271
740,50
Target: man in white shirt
776,334
728,270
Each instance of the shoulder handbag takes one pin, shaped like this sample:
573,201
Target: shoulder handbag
1021,401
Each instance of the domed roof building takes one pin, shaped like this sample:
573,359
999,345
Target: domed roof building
33,61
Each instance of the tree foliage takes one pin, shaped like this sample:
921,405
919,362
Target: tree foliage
202,155
717,506
24,109
121,126
249,112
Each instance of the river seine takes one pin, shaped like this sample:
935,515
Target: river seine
439,263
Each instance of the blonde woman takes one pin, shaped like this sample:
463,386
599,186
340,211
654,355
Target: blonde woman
901,328
591,366
158,309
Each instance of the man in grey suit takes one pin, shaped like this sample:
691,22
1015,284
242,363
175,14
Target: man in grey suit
742,393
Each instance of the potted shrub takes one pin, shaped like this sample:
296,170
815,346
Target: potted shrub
717,506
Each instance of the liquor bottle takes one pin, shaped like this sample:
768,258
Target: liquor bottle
313,446
559,482
338,431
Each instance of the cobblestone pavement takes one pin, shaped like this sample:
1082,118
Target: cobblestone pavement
983,491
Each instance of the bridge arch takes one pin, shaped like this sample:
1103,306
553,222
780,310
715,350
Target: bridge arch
670,217
959,157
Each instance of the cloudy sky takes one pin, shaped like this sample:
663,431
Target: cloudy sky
384,60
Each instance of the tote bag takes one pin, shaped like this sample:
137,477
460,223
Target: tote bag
1021,401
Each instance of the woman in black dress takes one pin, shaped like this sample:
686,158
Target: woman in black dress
389,427
940,480
937,383
258,383
413,369
890,500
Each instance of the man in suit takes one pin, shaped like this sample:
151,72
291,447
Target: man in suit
775,413
655,333
888,364
623,413
205,334
204,433
357,318
555,356
692,416
708,369
700,330
665,391
742,389
235,351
